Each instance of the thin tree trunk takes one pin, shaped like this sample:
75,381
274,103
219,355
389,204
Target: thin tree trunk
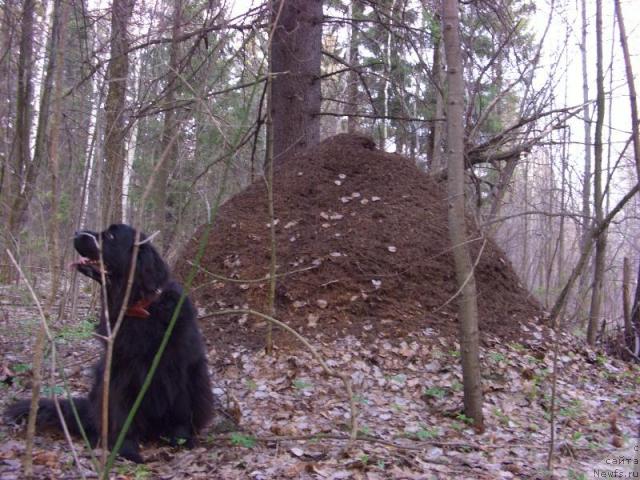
397,87
601,241
626,301
437,125
635,129
115,128
7,75
23,198
384,132
61,17
500,190
170,144
296,51
353,77
18,155
524,265
22,157
467,301
96,158
32,170
586,180
635,319
550,247
268,175
594,232
563,201
633,97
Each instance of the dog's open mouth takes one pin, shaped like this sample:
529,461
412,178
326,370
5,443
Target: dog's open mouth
94,264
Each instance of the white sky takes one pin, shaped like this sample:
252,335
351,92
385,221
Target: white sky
571,19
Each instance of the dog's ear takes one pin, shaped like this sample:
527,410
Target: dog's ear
151,271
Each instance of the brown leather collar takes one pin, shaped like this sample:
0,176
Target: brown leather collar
140,308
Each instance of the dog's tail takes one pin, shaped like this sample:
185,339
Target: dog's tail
48,418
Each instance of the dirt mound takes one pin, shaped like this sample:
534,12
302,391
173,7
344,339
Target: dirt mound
362,248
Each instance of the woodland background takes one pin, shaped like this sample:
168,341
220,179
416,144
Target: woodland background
91,102
155,113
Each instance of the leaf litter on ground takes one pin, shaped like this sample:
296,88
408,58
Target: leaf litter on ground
294,420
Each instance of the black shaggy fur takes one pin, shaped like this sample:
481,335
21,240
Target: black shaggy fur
179,401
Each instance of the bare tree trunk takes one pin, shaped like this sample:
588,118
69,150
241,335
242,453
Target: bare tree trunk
635,129
563,202
397,87
633,97
296,51
61,17
77,122
550,247
22,157
170,144
31,171
586,180
17,155
386,81
594,232
353,77
468,308
626,301
436,161
635,319
524,265
501,188
7,75
601,241
96,158
115,128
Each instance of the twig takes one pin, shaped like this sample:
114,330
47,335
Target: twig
266,278
554,386
466,280
574,216
631,353
380,117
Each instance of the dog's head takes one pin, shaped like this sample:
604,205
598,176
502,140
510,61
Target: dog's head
109,253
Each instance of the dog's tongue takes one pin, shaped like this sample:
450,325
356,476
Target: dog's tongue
81,261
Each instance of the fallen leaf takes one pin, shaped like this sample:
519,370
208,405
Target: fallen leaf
298,452
312,320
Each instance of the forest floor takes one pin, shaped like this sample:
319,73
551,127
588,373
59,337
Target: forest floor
365,273
294,420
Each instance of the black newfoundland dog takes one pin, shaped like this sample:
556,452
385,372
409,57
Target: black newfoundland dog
179,401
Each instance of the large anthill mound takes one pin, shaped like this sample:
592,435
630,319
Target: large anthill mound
362,248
